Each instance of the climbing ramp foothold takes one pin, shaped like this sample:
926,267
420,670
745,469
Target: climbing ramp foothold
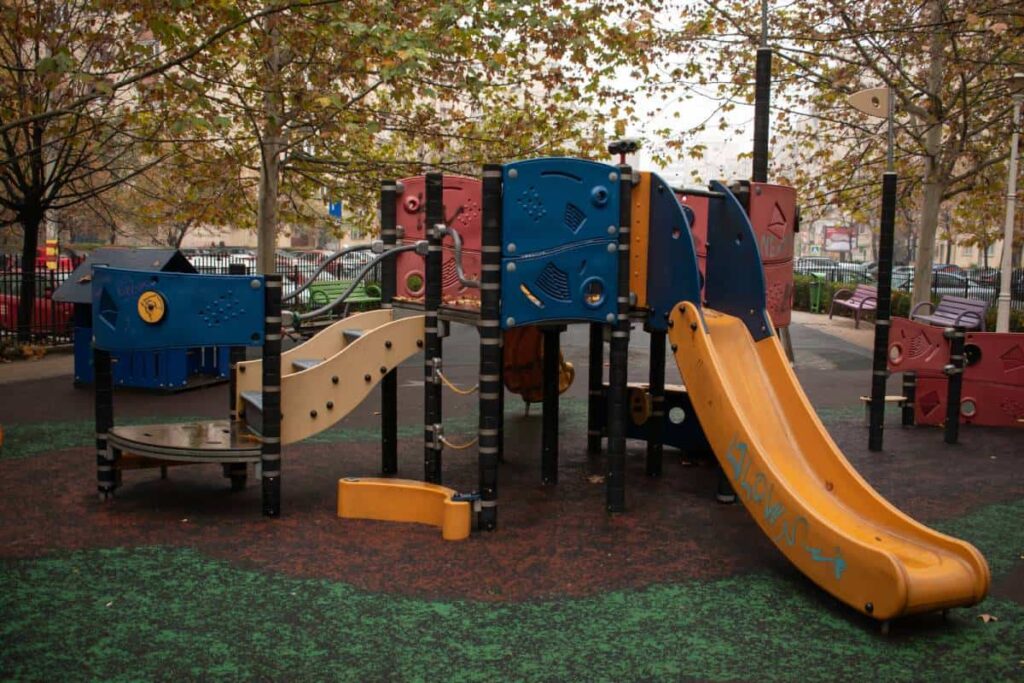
405,500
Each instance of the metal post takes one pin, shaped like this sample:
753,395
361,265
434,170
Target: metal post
619,359
236,354
595,388
1005,263
270,449
106,477
432,336
762,101
491,360
388,287
879,371
549,439
909,396
656,422
955,374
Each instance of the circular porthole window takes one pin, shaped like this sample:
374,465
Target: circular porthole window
593,292
968,408
895,353
414,283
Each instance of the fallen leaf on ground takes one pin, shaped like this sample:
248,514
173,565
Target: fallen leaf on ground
988,617
595,479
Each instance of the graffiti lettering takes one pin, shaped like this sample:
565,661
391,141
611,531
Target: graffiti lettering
760,491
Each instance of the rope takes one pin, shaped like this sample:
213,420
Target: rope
457,390
459,447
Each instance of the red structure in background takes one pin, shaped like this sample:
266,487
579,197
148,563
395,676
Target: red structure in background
993,380
772,211
462,212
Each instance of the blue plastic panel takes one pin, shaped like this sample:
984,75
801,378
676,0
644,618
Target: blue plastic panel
735,277
560,221
672,273
200,310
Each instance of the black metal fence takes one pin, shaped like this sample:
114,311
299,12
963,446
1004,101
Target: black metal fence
51,323
978,283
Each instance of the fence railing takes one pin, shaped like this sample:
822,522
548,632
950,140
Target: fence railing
50,323
982,284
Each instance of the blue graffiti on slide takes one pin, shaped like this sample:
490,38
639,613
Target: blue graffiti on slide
757,488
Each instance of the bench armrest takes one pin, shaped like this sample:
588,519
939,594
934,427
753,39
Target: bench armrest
969,314
929,304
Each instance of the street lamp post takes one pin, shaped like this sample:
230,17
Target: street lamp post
1016,84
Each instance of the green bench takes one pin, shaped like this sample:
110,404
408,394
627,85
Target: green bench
363,297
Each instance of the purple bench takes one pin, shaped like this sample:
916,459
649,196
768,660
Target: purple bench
953,311
863,298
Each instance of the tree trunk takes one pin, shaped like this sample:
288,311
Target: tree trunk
271,145
929,224
27,296
935,179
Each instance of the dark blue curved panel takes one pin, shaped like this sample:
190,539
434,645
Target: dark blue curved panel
200,310
672,273
575,283
735,277
550,202
560,220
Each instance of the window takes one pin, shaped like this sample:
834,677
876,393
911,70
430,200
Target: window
967,250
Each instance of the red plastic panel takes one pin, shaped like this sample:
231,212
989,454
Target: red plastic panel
699,231
778,279
410,265
773,217
986,404
997,357
462,198
916,347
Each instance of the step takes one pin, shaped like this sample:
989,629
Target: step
253,401
352,335
305,363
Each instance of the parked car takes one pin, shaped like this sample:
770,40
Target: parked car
946,283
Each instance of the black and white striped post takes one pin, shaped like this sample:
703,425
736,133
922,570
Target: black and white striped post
619,355
954,384
549,429
270,449
106,476
388,287
491,361
656,390
432,330
595,388
909,397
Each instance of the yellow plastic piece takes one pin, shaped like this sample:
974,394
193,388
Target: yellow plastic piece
800,488
639,230
404,500
152,307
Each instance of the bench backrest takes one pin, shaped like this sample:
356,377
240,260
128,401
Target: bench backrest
863,292
955,305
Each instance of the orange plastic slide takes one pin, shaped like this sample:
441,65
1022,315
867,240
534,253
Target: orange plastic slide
799,487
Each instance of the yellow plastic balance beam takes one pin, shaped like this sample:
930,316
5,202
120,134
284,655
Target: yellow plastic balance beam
404,500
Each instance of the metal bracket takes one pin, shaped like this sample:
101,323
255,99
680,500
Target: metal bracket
422,247
377,246
435,370
435,439
399,232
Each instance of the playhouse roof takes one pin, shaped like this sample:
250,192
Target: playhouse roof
77,289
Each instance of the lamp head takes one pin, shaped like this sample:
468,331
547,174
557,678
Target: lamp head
1015,84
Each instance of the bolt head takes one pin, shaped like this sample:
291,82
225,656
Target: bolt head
613,176
610,317
511,247
612,247
511,267
612,230
255,284
513,174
